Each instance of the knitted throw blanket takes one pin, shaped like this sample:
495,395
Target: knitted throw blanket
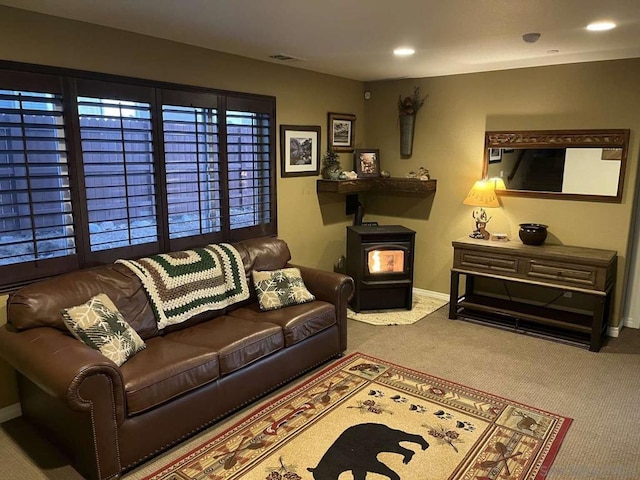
183,284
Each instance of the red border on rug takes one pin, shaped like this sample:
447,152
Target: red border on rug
271,402
543,471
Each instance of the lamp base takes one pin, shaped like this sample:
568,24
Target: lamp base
480,232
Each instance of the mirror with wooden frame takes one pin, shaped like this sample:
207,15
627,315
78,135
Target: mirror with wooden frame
571,165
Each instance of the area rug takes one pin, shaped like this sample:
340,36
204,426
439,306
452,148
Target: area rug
366,418
422,306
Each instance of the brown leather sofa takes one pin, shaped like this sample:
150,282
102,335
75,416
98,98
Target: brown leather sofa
109,419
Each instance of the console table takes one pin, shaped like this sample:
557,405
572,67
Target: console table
560,270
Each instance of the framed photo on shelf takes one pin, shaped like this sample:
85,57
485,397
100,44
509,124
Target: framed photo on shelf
299,150
341,130
367,163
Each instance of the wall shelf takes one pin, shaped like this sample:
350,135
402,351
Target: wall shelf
388,185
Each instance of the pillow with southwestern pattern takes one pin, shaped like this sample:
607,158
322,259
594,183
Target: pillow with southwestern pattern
100,325
280,288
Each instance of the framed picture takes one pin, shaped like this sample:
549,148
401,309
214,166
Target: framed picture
341,132
495,155
367,163
299,150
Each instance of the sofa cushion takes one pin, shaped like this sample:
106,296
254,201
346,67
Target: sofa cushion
164,370
280,288
98,324
38,304
263,253
297,321
238,342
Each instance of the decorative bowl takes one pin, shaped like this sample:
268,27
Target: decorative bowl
533,233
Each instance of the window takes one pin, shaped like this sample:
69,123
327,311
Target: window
95,168
36,217
250,150
248,163
192,166
117,158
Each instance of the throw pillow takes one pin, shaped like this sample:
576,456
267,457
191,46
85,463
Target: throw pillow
100,325
280,288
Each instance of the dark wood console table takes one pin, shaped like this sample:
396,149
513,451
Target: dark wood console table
565,270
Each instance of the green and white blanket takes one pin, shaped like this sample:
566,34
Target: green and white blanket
183,284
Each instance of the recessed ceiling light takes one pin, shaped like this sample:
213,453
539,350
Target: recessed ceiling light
532,37
404,51
600,26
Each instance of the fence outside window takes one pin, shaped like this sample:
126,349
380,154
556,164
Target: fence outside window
95,168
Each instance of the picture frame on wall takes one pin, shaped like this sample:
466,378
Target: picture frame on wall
367,162
495,155
299,150
341,131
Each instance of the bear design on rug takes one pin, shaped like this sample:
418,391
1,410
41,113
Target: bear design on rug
357,448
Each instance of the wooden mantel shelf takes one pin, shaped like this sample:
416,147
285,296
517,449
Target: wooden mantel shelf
390,185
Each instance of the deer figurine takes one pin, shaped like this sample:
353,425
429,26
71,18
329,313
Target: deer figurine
481,218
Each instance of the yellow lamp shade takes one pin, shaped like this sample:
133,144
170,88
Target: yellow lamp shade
482,194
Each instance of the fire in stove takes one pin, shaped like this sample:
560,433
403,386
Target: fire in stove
386,261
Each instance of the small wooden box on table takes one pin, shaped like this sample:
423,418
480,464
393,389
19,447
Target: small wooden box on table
587,271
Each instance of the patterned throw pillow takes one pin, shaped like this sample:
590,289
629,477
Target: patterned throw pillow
100,325
280,288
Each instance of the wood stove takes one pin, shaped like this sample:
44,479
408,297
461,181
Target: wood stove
380,261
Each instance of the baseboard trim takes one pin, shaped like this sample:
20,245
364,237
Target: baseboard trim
624,323
631,322
432,294
10,412
613,331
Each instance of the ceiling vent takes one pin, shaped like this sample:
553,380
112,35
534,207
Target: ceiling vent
281,57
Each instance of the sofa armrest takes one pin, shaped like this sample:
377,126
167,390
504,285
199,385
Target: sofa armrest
64,368
331,287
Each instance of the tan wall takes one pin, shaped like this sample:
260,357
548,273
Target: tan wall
449,141
449,137
315,235
303,98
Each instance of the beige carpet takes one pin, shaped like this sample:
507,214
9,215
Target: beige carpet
598,390
365,416
422,306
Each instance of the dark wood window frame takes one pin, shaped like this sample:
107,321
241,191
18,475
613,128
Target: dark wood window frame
245,139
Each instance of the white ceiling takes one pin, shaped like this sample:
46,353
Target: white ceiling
355,38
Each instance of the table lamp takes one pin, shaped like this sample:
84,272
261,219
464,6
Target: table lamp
482,195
